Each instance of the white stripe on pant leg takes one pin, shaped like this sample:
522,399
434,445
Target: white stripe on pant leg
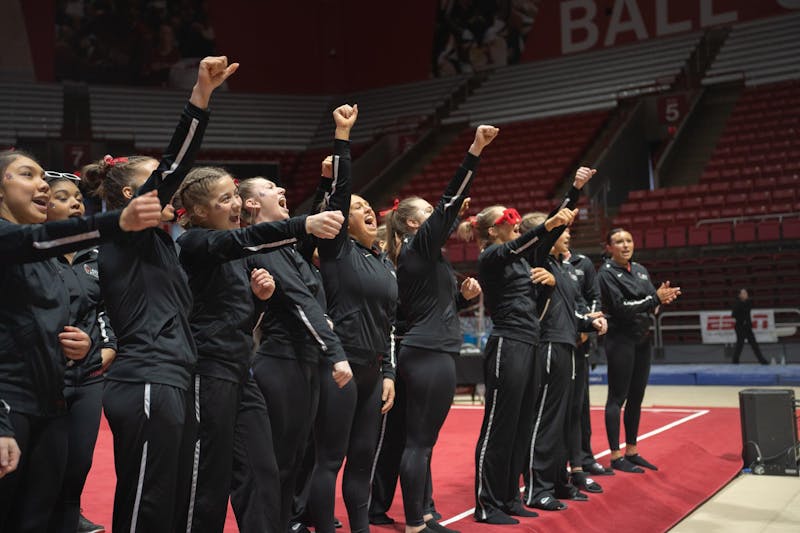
377,456
142,464
536,428
488,430
196,463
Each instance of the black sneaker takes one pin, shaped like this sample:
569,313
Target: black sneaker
87,526
337,523
433,525
571,492
640,461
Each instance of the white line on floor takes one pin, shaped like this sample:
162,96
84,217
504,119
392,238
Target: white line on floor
696,413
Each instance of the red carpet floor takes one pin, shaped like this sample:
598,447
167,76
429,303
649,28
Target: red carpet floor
697,451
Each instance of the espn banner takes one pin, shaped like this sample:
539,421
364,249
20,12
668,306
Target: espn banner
718,327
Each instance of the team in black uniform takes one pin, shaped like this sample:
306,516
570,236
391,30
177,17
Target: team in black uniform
198,418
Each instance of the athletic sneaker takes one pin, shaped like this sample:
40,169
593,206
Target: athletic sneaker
87,526
298,527
337,523
596,469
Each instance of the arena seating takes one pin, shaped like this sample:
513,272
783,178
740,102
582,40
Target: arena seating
393,107
241,122
523,169
753,172
712,282
583,82
30,110
762,51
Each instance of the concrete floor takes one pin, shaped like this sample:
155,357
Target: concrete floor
749,503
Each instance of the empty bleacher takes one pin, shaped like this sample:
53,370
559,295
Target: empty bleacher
401,107
240,122
761,51
583,82
30,110
750,186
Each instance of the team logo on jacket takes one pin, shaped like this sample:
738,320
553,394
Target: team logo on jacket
573,276
91,271
642,276
579,271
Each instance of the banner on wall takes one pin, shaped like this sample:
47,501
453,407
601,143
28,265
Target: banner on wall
718,327
570,26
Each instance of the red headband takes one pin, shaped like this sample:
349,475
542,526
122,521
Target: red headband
509,216
111,161
384,212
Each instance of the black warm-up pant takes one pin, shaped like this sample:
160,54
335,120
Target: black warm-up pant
386,469
580,422
430,382
628,371
28,495
222,403
746,334
347,424
155,433
291,392
255,483
503,444
547,475
85,403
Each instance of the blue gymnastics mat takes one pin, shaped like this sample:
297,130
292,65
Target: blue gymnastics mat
721,374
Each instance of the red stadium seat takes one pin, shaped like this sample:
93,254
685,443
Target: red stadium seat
698,236
744,232
791,228
720,234
654,238
676,237
769,230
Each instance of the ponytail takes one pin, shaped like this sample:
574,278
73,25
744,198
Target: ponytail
396,220
107,177
477,227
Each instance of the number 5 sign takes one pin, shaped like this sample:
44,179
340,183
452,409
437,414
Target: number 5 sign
672,108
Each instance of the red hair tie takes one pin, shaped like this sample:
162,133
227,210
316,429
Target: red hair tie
473,221
112,161
180,213
393,208
236,181
509,216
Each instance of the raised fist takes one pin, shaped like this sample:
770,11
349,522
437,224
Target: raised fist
327,167
484,135
582,176
345,116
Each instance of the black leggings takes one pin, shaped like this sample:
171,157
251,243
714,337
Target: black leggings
347,423
28,494
291,391
628,371
746,334
85,402
386,469
580,425
430,383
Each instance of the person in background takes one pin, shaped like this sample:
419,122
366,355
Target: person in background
744,327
